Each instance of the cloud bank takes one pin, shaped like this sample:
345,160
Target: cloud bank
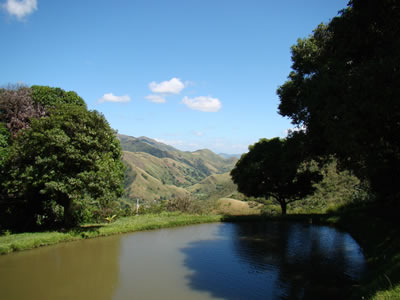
20,8
205,104
173,86
112,98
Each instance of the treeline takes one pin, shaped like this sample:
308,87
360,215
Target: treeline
343,95
60,163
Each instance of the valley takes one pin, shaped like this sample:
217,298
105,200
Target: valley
157,172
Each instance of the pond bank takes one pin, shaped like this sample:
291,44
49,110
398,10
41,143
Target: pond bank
24,241
379,237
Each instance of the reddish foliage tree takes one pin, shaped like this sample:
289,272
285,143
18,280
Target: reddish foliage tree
17,108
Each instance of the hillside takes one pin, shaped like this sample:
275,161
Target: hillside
213,187
156,171
205,161
141,184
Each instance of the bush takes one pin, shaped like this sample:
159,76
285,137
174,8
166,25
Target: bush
181,204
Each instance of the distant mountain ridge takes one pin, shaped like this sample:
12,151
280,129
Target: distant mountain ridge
156,171
227,156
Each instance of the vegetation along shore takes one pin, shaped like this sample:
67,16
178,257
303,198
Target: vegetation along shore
66,175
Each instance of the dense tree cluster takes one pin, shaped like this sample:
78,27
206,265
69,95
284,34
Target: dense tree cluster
59,161
345,90
344,94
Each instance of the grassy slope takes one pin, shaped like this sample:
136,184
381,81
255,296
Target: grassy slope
160,172
164,169
229,206
145,186
213,187
24,241
205,162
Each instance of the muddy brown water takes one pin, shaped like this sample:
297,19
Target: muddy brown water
208,261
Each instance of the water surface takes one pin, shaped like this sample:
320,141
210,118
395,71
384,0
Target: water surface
209,261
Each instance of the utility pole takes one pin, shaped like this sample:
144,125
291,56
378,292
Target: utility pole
137,206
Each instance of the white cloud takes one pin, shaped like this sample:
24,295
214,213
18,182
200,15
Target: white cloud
206,104
112,98
155,98
20,8
173,86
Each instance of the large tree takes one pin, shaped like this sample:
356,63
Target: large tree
274,169
65,158
345,90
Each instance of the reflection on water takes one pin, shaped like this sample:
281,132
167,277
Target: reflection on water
209,261
276,261
78,270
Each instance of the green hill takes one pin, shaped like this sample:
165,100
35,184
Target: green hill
213,187
144,178
156,171
204,161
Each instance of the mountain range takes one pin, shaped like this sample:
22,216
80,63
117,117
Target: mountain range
156,171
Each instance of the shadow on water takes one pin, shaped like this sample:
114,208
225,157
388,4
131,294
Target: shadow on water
271,260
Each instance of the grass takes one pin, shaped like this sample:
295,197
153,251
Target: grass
24,241
229,206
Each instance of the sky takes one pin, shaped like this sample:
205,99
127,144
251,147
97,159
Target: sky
193,74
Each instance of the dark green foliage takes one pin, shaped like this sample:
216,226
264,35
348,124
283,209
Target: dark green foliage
336,189
4,149
4,138
71,159
345,90
50,96
271,169
64,166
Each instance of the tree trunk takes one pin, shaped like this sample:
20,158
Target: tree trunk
68,214
283,206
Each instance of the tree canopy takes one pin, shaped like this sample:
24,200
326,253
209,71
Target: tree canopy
66,156
344,88
50,96
272,169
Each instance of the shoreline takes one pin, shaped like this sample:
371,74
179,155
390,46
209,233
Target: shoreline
378,238
31,240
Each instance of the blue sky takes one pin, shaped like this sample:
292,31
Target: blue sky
191,73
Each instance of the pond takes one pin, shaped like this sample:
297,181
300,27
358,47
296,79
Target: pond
267,260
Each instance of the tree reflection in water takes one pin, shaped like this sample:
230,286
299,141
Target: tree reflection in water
270,260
